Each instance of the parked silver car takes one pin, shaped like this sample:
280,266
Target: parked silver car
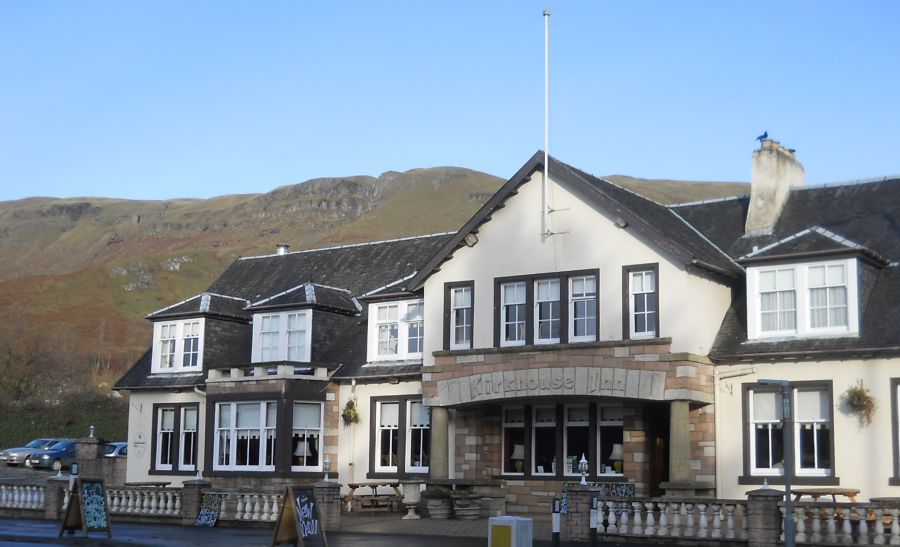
15,456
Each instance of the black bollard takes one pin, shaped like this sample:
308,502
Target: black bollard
594,521
555,522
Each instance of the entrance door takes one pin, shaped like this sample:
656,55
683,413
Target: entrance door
658,446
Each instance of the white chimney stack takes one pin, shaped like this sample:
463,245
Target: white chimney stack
282,249
774,172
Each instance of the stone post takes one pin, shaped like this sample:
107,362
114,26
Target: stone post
88,455
439,467
328,499
763,517
576,522
681,481
54,494
192,500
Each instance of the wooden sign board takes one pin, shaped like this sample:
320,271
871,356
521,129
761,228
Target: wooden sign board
87,508
298,521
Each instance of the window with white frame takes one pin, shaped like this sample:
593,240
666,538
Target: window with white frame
766,433
387,436
803,300
460,317
577,437
282,336
165,438
174,444
414,327
812,431
396,330
583,308
245,436
178,346
418,443
547,310
187,446
306,439
544,441
514,440
643,304
512,314
811,422
777,301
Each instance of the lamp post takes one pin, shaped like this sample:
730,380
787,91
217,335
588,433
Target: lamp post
788,467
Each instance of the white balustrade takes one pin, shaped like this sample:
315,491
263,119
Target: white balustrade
21,496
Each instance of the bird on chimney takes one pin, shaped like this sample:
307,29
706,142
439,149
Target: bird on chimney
763,137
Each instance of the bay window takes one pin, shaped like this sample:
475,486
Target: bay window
550,440
802,300
282,336
306,437
396,330
178,346
245,436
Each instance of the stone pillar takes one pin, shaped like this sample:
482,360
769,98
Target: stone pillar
575,524
89,456
192,499
54,494
682,483
679,441
763,517
439,467
328,500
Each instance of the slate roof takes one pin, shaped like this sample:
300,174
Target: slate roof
658,223
861,219
327,279
205,304
309,294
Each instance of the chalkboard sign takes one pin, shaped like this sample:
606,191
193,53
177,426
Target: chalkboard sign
298,521
209,510
87,508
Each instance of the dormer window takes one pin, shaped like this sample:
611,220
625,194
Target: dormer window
178,346
396,330
282,336
802,300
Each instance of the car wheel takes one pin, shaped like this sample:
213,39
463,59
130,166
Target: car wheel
57,465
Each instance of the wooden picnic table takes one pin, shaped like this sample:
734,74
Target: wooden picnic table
372,501
818,492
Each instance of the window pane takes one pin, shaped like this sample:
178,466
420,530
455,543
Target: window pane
418,415
390,415
307,415
462,297
167,420
248,415
812,405
766,406
190,419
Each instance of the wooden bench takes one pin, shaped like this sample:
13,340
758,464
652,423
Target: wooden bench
373,501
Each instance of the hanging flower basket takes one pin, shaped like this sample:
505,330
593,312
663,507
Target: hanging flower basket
349,414
860,400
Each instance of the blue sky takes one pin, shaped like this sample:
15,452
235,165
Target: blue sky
165,99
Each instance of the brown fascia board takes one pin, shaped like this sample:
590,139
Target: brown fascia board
479,218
